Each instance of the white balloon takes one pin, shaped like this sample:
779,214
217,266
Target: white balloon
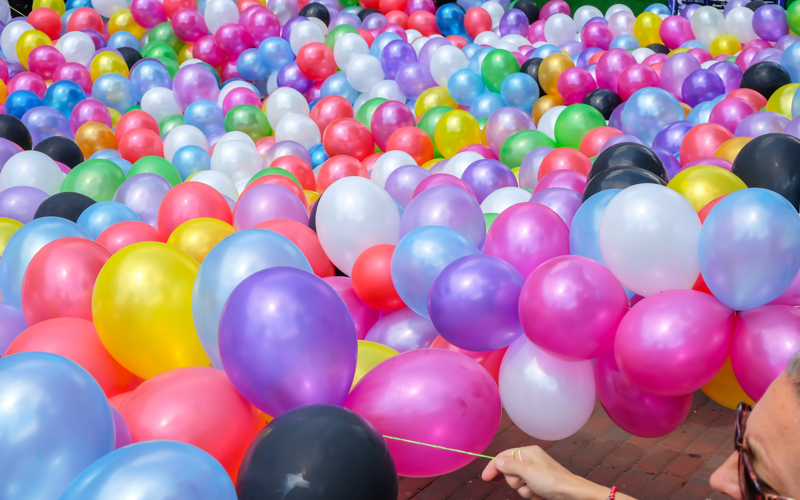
224,91
621,23
321,25
460,161
303,33
547,123
159,102
188,62
412,35
354,215
617,8
284,101
489,38
237,136
708,64
565,389
75,46
502,44
34,169
389,90
649,237
419,43
515,40
10,36
445,61
503,198
298,128
272,83
641,54
236,160
707,24
584,14
495,10
559,28
218,13
183,135
219,181
242,184
363,72
360,100
388,163
108,8
347,47
739,23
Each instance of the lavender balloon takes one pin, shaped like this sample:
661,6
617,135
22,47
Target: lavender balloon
671,164
291,76
689,10
143,194
793,128
192,83
447,206
564,178
769,22
675,71
783,43
7,150
514,22
701,86
401,183
44,122
286,148
529,168
425,54
583,58
395,55
615,120
619,139
346,18
671,136
730,73
12,323
763,122
287,340
268,202
487,176
413,79
20,203
403,330
565,202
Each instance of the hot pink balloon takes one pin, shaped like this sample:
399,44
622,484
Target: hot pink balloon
674,342
610,66
44,60
636,77
239,96
189,25
675,30
389,117
730,112
536,32
232,39
27,81
790,296
596,35
89,110
262,25
74,72
574,83
363,315
481,150
433,396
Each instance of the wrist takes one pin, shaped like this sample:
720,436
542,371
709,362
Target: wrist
583,489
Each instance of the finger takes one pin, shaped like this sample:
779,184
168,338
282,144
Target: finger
514,467
489,472
515,482
526,492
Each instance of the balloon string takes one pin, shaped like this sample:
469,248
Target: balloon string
439,447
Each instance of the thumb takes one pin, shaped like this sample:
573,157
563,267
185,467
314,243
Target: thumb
513,467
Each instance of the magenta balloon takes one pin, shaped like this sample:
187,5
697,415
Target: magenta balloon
554,7
571,306
527,234
504,123
674,342
610,66
440,179
536,32
363,315
401,183
675,71
446,206
654,59
701,55
745,58
565,178
675,30
268,202
189,25
263,24
730,112
44,60
87,111
233,39
192,83
760,123
433,396
636,411
148,13
596,35
565,202
389,117
481,150
239,96
574,83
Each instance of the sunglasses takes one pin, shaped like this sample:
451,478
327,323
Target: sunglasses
748,481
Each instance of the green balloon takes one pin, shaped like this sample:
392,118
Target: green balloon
156,165
248,119
156,49
497,65
135,107
793,16
337,32
163,33
429,121
517,147
575,122
366,111
97,179
489,218
274,170
172,66
170,123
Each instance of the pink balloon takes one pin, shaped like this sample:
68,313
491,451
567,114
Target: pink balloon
570,307
207,50
709,160
790,296
239,96
610,66
74,72
388,117
675,30
44,60
654,59
27,81
563,178
636,411
363,315
481,150
730,112
745,57
262,25
526,235
268,202
636,77
441,180
536,32
701,55
764,340
232,40
189,25
596,35
86,111
574,83
433,396
674,342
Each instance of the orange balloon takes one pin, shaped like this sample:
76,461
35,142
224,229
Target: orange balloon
702,141
198,406
338,167
298,168
490,360
306,240
329,109
77,339
541,106
413,141
140,142
564,159
92,137
595,138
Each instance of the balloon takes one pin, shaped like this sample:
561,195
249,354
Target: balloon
372,279
347,136
143,193
190,201
306,240
648,111
268,202
628,155
122,234
765,78
774,149
436,382
402,330
68,206
197,237
496,66
455,130
619,178
574,123
725,390
100,216
703,183
447,206
370,355
61,150
31,168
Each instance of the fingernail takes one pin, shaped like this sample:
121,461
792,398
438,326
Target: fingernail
499,462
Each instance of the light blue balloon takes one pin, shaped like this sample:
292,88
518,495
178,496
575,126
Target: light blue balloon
12,323
648,111
476,61
626,42
153,470
55,421
693,44
750,248
65,18
318,155
544,51
520,91
337,84
105,154
125,165
485,105
250,66
468,4
102,215
275,53
191,159
23,245
465,86
790,60
702,112
470,49
123,39
420,256
149,74
227,264
658,8
115,91
380,42
205,115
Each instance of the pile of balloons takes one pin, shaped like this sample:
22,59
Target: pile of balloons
369,221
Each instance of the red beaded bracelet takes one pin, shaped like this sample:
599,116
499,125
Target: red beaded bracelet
613,493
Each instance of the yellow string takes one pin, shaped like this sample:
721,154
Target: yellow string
439,447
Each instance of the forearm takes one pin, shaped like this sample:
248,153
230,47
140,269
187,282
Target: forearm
587,490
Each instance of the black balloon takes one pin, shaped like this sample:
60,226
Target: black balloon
619,178
531,67
658,48
68,206
61,149
765,78
131,55
770,162
439,3
312,215
629,155
363,13
603,100
318,452
530,9
14,130
317,10
756,4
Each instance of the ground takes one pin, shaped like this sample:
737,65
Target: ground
674,466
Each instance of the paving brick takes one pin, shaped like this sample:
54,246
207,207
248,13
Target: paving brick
604,475
686,465
656,459
577,469
441,487
615,434
595,453
662,487
474,490
704,417
646,443
565,449
709,443
709,467
681,438
410,486
634,481
596,425
625,457
699,400
504,493
694,489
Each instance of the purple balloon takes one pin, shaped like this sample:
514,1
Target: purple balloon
763,122
290,76
268,202
730,73
767,55
587,54
565,202
732,4
415,5
426,53
286,148
44,122
619,139
615,120
346,18
192,83
402,182
486,176
701,86
20,203
564,178
572,47
786,40
447,206
688,11
121,429
675,70
438,168
671,136
290,24
514,22
403,330
769,22
671,164
97,38
395,55
793,128
413,79
286,340
709,160
473,303
143,193
529,168
12,323
7,150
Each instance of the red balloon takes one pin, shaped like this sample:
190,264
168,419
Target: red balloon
564,159
85,18
60,278
636,77
116,401
370,4
47,21
477,21
595,138
413,141
140,142
370,160
756,99
306,240
703,141
703,213
347,136
398,17
122,234
315,61
191,200
198,406
386,6
490,359
424,22
457,41
329,109
299,169
173,6
372,278
441,180
135,119
77,340
367,36
338,167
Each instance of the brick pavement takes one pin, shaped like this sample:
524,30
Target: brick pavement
676,466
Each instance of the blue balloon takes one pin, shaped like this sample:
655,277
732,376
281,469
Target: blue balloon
24,244
20,102
750,248
65,17
149,74
658,8
205,115
102,215
648,111
155,470
55,422
450,20
465,86
625,42
702,112
470,49
318,155
250,65
64,95
693,44
227,264
105,154
520,90
77,4
380,42
12,323
191,159
275,53
418,259
337,84
485,105
44,122
544,51
125,165
477,58
123,39
115,91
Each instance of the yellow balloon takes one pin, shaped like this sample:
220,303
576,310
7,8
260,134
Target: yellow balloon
705,183
725,389
142,309
428,164
724,44
678,51
7,229
543,104
455,130
550,69
122,20
730,148
108,62
370,355
686,109
115,116
92,137
29,41
432,97
516,173
781,100
646,27
311,196
185,53
57,5
197,237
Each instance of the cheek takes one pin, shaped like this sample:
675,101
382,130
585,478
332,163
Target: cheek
726,478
